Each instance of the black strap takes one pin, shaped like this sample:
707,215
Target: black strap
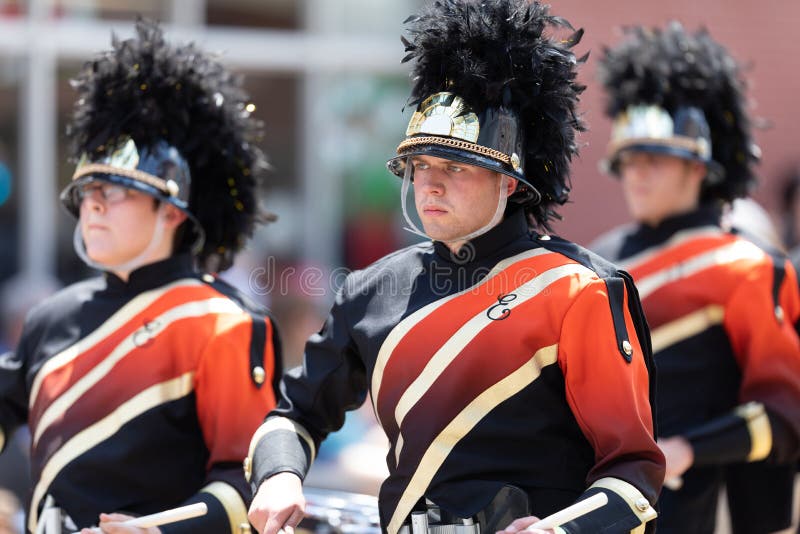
643,335
258,339
778,266
277,358
778,274
616,299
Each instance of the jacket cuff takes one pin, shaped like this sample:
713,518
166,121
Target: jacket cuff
742,435
278,445
627,510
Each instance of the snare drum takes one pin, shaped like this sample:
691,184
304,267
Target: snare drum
339,512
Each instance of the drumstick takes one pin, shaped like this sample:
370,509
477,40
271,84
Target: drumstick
167,516
571,512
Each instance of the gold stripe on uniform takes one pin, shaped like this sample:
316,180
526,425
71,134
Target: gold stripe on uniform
728,253
112,324
70,396
687,326
704,232
232,502
462,424
103,429
759,428
404,327
454,346
639,505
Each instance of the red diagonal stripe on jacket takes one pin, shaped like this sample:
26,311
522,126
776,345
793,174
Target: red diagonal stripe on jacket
425,338
63,378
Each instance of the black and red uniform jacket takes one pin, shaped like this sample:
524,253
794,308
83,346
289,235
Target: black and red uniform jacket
141,396
518,362
721,312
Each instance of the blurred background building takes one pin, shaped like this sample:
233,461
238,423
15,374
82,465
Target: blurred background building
326,78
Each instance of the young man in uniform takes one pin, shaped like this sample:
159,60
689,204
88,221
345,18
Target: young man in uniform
721,309
139,386
508,368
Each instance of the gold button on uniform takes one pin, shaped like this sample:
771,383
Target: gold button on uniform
642,504
248,468
208,279
627,348
259,374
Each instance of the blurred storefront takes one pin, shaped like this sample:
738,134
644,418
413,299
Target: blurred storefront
324,76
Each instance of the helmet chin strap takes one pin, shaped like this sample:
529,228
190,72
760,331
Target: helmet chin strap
130,265
496,218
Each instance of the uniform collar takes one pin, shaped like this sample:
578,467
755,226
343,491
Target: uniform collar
703,216
153,274
513,226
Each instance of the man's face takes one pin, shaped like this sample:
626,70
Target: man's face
454,199
658,186
116,223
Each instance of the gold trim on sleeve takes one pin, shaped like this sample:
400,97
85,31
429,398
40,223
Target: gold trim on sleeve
232,502
637,502
687,326
759,428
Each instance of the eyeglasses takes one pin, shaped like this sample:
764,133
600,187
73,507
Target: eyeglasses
110,193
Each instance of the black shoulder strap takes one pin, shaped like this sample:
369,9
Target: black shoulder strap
277,351
778,258
616,299
258,342
778,275
617,283
643,335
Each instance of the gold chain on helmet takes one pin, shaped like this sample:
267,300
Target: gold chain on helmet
455,143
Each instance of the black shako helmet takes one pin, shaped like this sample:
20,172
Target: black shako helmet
171,122
492,90
681,94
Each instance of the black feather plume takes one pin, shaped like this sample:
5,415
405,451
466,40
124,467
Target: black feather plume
495,52
674,68
149,90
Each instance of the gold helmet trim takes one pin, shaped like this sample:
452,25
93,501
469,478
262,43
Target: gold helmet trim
653,125
123,162
456,143
445,114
